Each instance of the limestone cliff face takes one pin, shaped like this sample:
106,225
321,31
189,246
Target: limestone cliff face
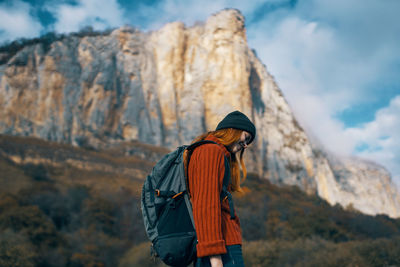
168,86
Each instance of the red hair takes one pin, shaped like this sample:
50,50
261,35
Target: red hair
227,137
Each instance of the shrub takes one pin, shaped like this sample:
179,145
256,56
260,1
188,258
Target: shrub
139,256
16,250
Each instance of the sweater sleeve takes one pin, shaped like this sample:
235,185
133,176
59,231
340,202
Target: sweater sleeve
206,172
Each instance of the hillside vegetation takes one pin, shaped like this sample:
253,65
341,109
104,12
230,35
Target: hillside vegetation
56,212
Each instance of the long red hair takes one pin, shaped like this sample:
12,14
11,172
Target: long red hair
227,137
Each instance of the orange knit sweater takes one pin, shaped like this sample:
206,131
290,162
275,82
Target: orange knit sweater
214,227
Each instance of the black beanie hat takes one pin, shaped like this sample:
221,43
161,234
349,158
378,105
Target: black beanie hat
238,120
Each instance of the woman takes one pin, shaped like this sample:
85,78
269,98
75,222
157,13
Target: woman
219,236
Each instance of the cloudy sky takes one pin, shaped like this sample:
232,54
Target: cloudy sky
337,62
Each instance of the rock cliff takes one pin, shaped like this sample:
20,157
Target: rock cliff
168,86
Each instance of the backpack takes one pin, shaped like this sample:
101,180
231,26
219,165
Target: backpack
167,210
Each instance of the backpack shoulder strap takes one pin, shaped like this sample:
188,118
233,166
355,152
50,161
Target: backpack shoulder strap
225,194
199,143
190,150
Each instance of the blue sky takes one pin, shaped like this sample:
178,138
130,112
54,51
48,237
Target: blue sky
337,62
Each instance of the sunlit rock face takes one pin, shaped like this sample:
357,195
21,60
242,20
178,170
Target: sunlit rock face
165,88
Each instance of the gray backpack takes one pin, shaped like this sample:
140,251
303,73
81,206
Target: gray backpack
167,210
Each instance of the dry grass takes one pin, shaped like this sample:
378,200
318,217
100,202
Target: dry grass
12,178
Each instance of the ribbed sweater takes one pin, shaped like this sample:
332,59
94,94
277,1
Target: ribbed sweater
214,227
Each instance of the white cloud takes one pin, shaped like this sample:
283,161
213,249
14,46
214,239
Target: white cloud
100,14
16,21
382,137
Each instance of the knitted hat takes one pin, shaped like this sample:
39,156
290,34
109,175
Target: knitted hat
238,120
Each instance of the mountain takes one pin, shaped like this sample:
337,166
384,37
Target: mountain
164,88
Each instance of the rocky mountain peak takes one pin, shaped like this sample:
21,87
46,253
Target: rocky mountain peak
164,88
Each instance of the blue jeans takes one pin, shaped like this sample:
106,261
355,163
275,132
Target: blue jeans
233,258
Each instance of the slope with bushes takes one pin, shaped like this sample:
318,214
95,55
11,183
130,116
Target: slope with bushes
66,215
